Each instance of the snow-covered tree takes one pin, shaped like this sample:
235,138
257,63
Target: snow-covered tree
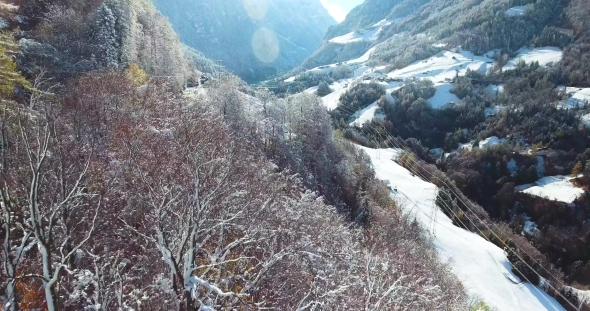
106,37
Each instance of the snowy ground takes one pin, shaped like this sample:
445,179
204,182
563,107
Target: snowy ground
358,36
530,227
362,35
440,69
579,98
543,55
558,188
366,115
443,95
364,58
481,266
443,66
491,141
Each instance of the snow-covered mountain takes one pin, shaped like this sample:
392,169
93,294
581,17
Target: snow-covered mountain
403,31
253,39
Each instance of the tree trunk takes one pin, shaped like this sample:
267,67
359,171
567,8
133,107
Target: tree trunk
50,296
49,281
11,294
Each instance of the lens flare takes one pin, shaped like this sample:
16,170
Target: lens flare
265,45
256,9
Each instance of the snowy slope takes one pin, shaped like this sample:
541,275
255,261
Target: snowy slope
543,55
440,69
362,35
366,115
481,266
443,95
444,66
558,188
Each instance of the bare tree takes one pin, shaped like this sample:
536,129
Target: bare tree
57,210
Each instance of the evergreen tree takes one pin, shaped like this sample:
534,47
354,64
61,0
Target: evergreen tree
445,202
323,89
577,169
10,77
106,37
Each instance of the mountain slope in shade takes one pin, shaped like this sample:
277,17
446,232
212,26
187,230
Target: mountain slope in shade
253,39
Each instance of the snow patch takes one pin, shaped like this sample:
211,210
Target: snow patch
556,188
383,23
367,114
363,58
361,35
443,96
311,90
490,142
467,146
331,100
530,227
543,55
444,66
516,11
578,98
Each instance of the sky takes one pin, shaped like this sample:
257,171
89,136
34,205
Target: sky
339,8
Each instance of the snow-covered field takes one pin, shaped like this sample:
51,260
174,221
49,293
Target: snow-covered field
366,115
443,95
558,188
443,66
543,55
481,266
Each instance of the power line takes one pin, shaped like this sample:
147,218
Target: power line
417,172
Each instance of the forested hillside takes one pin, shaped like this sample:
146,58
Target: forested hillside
120,189
252,39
